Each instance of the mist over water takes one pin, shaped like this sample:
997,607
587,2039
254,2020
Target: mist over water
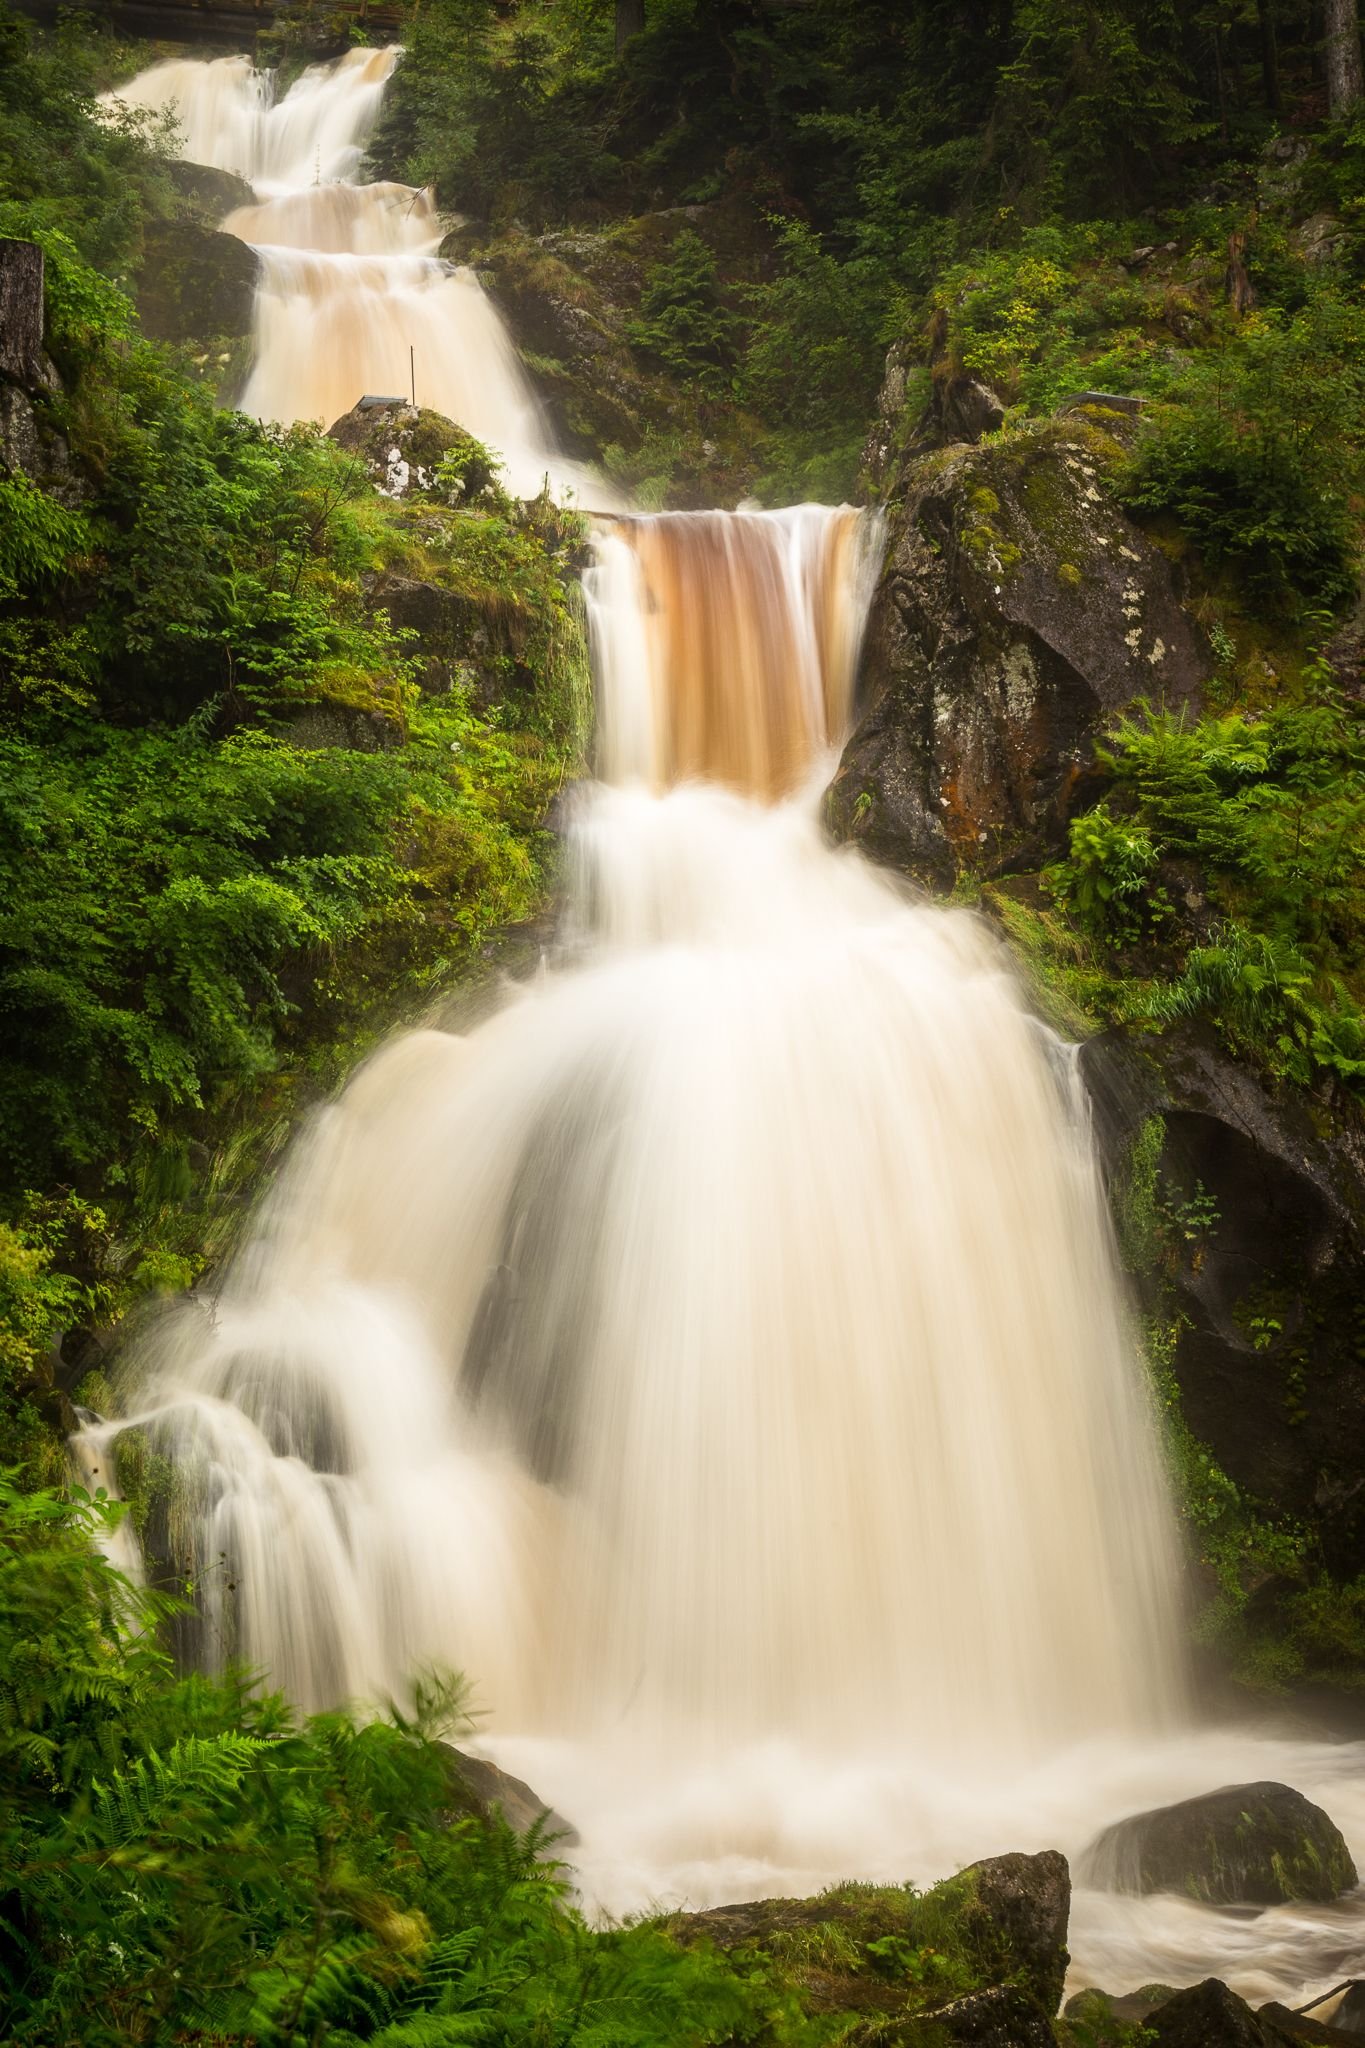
718,1353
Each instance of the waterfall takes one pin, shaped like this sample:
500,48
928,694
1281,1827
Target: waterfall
686,1352
718,1352
353,297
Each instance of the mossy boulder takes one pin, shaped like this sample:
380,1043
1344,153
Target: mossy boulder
412,451
195,284
980,1958
1246,1845
1017,611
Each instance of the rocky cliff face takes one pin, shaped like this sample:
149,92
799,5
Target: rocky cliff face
1018,609
31,443
1268,1287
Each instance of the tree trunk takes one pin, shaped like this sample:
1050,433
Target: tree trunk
630,19
1341,47
1270,54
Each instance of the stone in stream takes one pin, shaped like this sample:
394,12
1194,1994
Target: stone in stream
1349,2016
1208,2015
1256,1845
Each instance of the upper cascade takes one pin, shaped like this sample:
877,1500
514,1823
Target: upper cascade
354,298
228,116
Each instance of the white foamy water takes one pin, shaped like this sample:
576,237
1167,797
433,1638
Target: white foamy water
719,1353
354,299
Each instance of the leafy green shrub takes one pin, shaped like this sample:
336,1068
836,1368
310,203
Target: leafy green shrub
814,360
1273,811
182,1857
1256,447
1106,883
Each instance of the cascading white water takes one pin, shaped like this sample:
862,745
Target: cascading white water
353,298
718,1354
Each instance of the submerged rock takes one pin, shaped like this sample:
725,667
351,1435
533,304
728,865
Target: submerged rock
1018,610
1244,1845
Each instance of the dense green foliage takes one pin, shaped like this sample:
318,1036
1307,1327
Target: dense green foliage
183,1858
987,161
236,833
238,836
1271,811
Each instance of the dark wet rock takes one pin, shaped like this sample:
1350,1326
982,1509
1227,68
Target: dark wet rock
208,193
1349,2016
848,1951
31,444
404,447
1027,1900
458,639
1269,1357
1305,2027
1258,1845
22,360
195,284
999,2017
1017,611
488,1791
960,408
1208,2015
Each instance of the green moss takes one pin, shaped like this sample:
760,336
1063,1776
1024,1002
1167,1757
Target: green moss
1072,983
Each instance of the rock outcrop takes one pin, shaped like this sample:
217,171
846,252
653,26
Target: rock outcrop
1017,611
1208,2015
31,444
1246,1845
206,193
1270,1352
485,1791
195,284
404,447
